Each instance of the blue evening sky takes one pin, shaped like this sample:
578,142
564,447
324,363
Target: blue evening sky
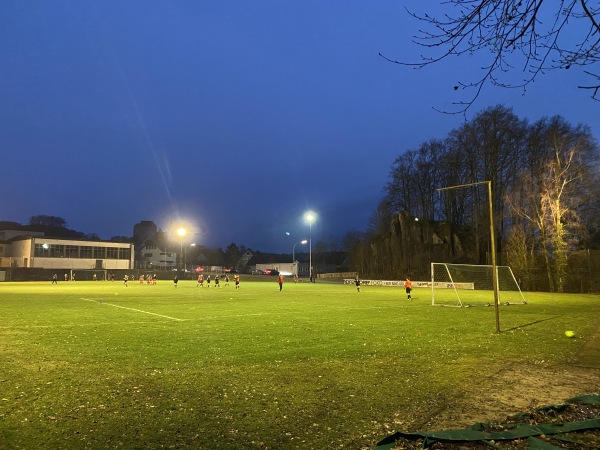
234,116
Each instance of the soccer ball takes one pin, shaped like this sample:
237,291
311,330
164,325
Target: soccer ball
569,333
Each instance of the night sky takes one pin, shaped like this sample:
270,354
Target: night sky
234,117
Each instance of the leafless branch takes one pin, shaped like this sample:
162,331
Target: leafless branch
541,35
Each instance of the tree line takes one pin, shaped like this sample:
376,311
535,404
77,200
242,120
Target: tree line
545,182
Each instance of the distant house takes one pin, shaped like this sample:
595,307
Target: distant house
326,262
156,258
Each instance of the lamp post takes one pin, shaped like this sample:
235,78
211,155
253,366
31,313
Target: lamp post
310,217
303,242
181,232
193,244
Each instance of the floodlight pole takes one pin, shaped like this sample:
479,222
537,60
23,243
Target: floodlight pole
181,232
310,272
181,252
310,216
492,244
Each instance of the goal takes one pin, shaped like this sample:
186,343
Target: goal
472,285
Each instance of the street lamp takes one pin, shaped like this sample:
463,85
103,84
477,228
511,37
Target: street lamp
181,232
310,216
303,242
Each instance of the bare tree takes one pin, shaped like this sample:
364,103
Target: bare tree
550,193
534,35
492,144
520,255
401,187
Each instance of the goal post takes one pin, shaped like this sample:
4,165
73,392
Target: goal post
464,285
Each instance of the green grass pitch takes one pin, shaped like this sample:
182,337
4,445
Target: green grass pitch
101,365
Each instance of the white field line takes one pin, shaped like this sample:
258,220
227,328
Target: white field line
78,325
134,309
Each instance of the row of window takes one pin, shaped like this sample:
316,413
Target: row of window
81,251
150,255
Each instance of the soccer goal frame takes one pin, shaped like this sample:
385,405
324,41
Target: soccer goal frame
465,285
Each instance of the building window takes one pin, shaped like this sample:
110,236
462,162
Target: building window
72,251
99,252
41,250
56,251
112,253
85,252
125,253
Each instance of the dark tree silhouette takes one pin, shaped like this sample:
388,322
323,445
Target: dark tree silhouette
48,221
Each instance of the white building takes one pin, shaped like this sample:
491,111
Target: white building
59,253
157,259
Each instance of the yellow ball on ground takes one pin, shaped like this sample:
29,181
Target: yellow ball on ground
569,333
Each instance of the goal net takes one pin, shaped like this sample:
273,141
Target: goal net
89,274
472,285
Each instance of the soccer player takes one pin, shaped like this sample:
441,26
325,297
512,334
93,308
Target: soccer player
125,280
237,281
175,280
200,281
217,281
408,286
226,280
357,283
280,280
208,281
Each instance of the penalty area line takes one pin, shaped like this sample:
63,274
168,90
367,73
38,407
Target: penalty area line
134,309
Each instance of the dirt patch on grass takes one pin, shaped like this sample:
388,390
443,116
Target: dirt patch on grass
513,390
522,388
498,404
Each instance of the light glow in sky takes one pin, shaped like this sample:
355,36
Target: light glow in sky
237,115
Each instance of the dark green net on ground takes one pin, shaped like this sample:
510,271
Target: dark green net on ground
517,427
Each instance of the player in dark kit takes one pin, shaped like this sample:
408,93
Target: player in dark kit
357,283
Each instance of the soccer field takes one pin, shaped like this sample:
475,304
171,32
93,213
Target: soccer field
101,365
